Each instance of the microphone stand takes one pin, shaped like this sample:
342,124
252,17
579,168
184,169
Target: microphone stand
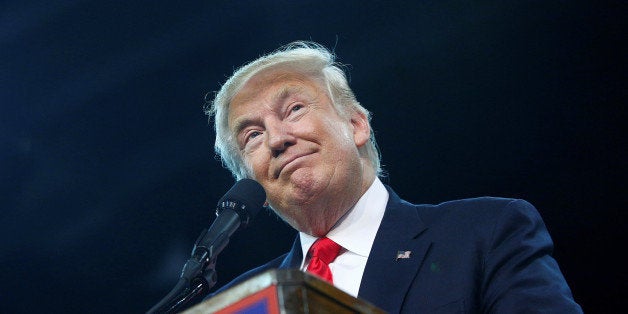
199,275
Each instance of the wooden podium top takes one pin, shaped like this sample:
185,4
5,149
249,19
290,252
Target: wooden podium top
283,291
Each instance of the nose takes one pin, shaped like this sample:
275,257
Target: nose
279,138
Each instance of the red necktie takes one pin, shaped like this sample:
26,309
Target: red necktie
323,252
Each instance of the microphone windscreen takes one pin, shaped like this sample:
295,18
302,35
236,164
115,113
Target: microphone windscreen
246,192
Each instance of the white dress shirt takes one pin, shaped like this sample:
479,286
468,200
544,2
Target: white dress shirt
355,232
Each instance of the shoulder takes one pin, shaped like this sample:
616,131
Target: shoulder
479,214
285,260
479,210
275,263
485,204
481,218
493,223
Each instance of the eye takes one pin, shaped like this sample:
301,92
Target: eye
296,107
253,134
296,111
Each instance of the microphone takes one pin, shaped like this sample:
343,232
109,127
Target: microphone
236,208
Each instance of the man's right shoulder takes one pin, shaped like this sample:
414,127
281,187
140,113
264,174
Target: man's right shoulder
275,263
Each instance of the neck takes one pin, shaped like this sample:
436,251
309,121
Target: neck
326,216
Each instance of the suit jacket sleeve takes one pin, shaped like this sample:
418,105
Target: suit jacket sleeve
519,274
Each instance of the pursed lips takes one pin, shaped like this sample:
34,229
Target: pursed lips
288,161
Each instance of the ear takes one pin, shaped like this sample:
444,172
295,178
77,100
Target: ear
361,128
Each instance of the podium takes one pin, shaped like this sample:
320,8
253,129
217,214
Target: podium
285,291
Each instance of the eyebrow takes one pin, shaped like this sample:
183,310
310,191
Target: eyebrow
284,93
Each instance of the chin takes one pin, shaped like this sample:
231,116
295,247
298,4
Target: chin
308,185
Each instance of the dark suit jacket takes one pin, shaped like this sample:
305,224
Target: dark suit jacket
482,255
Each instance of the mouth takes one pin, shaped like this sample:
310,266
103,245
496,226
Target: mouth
290,163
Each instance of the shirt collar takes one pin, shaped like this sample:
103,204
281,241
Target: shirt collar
356,231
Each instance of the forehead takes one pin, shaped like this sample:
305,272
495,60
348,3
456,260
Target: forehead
273,83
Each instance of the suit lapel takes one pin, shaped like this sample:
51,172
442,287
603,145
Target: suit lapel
386,277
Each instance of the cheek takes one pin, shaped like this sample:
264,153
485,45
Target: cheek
256,165
337,132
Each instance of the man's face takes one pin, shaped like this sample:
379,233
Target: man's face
300,149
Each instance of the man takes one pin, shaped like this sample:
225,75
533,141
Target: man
290,121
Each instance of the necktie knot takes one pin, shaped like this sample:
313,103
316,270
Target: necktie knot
323,252
325,249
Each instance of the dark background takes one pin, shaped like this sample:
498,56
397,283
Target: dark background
107,164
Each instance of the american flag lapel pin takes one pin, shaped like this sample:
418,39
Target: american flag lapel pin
403,254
